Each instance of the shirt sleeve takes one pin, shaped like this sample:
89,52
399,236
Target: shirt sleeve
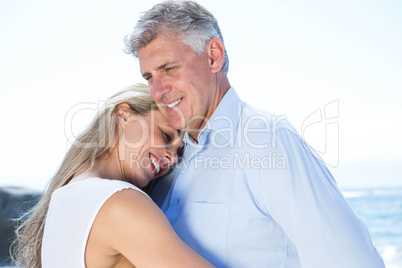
300,194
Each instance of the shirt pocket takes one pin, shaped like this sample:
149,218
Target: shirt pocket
203,226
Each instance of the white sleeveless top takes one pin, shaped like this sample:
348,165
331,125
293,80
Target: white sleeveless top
72,212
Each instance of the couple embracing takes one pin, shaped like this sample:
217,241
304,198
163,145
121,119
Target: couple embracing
191,152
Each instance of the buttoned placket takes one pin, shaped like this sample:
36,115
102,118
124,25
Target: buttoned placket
181,183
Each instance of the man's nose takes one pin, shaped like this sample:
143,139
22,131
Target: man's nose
159,87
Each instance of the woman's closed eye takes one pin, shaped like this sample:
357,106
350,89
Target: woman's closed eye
167,137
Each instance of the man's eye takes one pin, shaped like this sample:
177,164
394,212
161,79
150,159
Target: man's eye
170,69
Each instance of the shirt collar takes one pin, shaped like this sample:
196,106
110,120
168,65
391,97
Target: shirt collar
224,120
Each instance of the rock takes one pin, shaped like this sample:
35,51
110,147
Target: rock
14,202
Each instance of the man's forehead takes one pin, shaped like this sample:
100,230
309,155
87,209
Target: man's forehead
163,48
154,55
154,59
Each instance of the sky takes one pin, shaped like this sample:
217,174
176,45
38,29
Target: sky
332,68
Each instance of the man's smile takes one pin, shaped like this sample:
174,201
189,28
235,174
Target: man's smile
173,104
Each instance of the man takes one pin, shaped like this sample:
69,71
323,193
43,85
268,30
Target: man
248,192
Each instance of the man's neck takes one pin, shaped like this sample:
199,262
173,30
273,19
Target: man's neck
222,88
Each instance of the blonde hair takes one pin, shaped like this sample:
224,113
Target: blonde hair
101,136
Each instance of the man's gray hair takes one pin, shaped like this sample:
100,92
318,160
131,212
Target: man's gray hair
185,20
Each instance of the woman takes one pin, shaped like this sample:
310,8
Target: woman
93,214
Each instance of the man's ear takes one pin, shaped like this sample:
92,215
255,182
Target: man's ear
216,54
123,112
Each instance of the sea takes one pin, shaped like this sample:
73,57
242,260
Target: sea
381,209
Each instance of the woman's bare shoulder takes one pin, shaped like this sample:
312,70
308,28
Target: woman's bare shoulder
131,224
129,202
129,210
123,208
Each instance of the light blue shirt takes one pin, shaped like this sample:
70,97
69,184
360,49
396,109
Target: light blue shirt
252,193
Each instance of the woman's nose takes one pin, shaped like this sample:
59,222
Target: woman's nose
170,155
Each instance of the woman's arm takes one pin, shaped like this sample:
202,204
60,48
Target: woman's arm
131,224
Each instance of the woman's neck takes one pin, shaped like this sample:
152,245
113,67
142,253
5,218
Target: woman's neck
107,167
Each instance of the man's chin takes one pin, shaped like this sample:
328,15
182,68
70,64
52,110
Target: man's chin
176,121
